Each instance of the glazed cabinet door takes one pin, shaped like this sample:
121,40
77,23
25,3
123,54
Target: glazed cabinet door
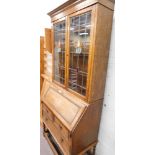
79,51
72,54
59,29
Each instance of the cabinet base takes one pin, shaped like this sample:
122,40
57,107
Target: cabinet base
90,150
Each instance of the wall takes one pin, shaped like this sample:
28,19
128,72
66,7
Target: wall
47,6
106,145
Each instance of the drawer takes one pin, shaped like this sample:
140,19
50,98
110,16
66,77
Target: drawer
58,130
47,119
63,131
60,127
46,111
63,143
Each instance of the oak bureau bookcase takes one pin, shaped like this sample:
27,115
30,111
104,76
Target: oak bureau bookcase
72,97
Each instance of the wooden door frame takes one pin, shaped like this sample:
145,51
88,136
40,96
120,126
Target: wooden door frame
67,49
91,9
53,23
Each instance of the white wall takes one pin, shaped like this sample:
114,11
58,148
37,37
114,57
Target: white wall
106,145
47,6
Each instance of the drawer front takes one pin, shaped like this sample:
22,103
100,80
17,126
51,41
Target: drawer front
63,131
49,123
49,114
45,109
64,144
58,130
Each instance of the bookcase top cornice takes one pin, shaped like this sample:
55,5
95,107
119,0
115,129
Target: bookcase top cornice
71,3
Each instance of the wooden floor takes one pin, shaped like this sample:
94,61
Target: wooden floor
44,147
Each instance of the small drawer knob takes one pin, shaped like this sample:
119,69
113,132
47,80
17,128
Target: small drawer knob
53,118
62,140
60,127
60,91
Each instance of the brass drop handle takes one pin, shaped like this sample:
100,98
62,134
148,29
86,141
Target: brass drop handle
46,110
62,140
60,127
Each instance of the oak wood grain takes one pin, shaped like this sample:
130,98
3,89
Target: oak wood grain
71,118
101,53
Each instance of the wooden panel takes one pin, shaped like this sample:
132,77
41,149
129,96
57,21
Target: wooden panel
59,137
101,53
52,129
63,104
50,144
86,132
76,5
44,88
48,40
65,108
48,63
63,131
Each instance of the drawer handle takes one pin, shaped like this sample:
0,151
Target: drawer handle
60,127
62,140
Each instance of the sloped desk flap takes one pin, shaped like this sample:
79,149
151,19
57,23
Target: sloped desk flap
66,108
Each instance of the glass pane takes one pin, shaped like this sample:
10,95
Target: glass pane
79,52
59,52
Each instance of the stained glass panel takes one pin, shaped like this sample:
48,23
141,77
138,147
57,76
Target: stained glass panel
59,52
79,52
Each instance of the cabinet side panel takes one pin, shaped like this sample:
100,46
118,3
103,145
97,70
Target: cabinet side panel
48,40
86,131
101,52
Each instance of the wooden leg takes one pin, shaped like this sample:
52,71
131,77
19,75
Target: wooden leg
94,149
44,129
43,133
90,150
